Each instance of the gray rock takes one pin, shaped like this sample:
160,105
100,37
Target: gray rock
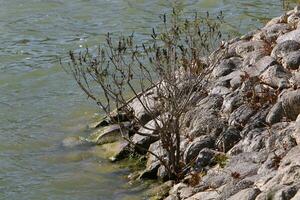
277,20
212,195
203,119
276,76
284,48
226,67
254,56
273,31
246,194
276,114
220,90
260,66
146,135
204,158
241,115
296,133
293,35
294,18
250,46
292,60
291,103
228,139
147,112
153,163
234,187
196,146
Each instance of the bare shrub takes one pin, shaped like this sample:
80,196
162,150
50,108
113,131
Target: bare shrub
173,65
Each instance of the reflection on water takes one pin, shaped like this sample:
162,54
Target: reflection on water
40,105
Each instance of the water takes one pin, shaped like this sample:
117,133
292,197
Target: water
40,105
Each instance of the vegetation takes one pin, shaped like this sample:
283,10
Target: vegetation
173,64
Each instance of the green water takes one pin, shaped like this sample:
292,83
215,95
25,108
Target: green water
40,105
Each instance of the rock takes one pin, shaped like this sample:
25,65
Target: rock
284,48
147,112
277,20
121,151
260,66
181,190
276,114
211,195
226,67
291,103
294,18
228,139
234,187
296,133
272,32
108,134
204,158
146,135
231,102
292,60
161,191
254,56
196,146
233,79
287,192
241,115
246,194
220,90
276,77
293,35
203,119
153,163
250,46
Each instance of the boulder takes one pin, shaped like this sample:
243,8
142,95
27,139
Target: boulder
246,194
292,60
293,35
276,76
146,135
196,146
228,139
284,48
250,46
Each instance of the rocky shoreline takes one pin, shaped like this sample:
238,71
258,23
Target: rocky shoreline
243,134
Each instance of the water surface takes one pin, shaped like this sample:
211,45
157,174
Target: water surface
40,105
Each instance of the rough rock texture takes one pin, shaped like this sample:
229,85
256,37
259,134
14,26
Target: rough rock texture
241,138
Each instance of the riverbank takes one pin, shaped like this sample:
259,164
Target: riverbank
243,133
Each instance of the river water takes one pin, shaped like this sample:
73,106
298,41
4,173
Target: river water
40,105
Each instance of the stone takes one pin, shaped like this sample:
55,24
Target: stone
294,18
226,67
234,187
276,76
272,32
250,46
254,56
292,60
291,103
153,163
228,139
204,158
220,90
293,35
296,134
160,191
260,66
246,194
202,119
146,136
275,114
196,146
147,112
109,134
277,20
211,195
241,115
283,48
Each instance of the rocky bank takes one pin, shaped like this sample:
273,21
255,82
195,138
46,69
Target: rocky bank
243,133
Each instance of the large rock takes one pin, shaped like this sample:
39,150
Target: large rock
226,67
293,35
146,135
246,194
285,47
250,46
272,32
292,60
276,76
291,103
260,66
196,146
